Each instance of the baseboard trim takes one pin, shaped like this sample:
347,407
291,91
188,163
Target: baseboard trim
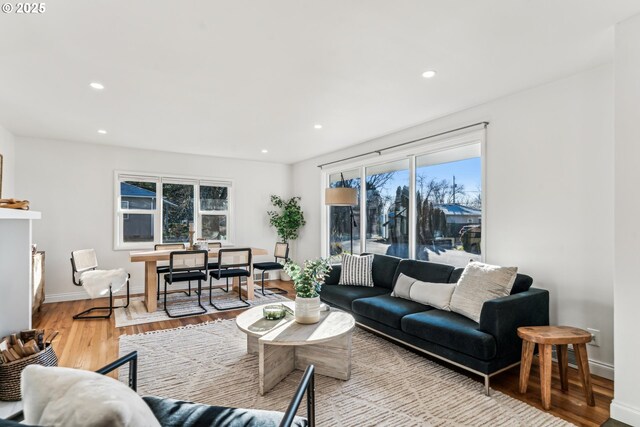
625,413
601,369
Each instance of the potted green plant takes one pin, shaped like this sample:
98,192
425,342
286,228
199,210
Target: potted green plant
288,219
308,281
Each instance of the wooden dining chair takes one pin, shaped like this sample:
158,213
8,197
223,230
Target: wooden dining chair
186,266
232,262
163,266
281,252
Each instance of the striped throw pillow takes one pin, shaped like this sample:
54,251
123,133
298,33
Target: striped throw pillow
356,270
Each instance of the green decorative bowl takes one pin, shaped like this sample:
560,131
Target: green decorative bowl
274,311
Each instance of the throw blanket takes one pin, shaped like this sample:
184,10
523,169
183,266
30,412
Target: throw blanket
97,282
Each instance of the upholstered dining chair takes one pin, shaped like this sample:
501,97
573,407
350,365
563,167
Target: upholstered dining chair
232,262
280,252
185,266
97,283
163,266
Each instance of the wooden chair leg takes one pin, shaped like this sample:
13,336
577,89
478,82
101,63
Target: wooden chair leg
525,367
563,365
545,374
585,375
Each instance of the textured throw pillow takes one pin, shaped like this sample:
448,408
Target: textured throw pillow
478,283
356,270
72,397
437,295
403,286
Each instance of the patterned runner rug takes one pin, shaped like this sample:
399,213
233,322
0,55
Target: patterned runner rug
179,302
389,385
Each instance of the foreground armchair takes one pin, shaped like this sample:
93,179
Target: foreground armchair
171,412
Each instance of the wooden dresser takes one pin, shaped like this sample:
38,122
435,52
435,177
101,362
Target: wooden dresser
37,278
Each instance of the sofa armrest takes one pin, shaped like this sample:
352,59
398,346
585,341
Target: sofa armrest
502,317
334,275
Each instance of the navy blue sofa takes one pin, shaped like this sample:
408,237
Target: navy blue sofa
485,348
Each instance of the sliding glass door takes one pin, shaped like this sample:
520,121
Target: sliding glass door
387,210
448,210
425,204
342,225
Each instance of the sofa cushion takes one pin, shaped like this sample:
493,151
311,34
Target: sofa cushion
402,287
451,330
55,396
522,283
356,270
342,296
481,282
386,309
384,270
436,295
424,271
174,413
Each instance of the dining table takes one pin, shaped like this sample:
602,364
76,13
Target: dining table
152,257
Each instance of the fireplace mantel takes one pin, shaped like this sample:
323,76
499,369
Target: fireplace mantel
15,269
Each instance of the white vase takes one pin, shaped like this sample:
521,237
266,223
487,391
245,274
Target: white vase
284,276
307,310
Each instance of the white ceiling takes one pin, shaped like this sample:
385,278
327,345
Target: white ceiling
230,78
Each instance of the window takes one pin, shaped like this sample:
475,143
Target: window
157,209
214,210
449,211
388,209
340,220
422,203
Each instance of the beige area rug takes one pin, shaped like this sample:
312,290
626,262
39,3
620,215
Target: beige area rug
179,302
389,385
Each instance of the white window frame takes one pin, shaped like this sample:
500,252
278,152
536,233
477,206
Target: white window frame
432,147
159,179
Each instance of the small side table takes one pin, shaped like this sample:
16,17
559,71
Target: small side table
546,337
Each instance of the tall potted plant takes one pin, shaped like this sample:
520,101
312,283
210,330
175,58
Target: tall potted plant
308,281
288,219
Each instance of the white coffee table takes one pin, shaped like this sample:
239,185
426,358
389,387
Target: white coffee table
284,345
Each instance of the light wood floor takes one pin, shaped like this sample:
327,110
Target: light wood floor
91,344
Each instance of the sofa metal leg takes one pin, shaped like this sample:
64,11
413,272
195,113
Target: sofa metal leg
487,388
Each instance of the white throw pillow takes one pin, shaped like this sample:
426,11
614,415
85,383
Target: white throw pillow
356,270
437,295
478,283
73,397
403,286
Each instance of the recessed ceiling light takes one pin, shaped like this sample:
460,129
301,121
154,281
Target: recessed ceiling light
428,74
96,85
264,151
317,126
102,131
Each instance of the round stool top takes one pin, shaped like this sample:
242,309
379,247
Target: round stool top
554,334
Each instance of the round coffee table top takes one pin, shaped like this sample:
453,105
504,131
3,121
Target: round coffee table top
554,335
287,331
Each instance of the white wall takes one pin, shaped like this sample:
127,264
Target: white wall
7,149
549,200
72,184
626,403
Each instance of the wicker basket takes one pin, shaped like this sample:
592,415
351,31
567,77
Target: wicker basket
10,372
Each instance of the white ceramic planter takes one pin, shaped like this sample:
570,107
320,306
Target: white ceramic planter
284,276
307,310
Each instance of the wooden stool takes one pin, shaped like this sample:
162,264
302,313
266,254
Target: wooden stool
546,337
